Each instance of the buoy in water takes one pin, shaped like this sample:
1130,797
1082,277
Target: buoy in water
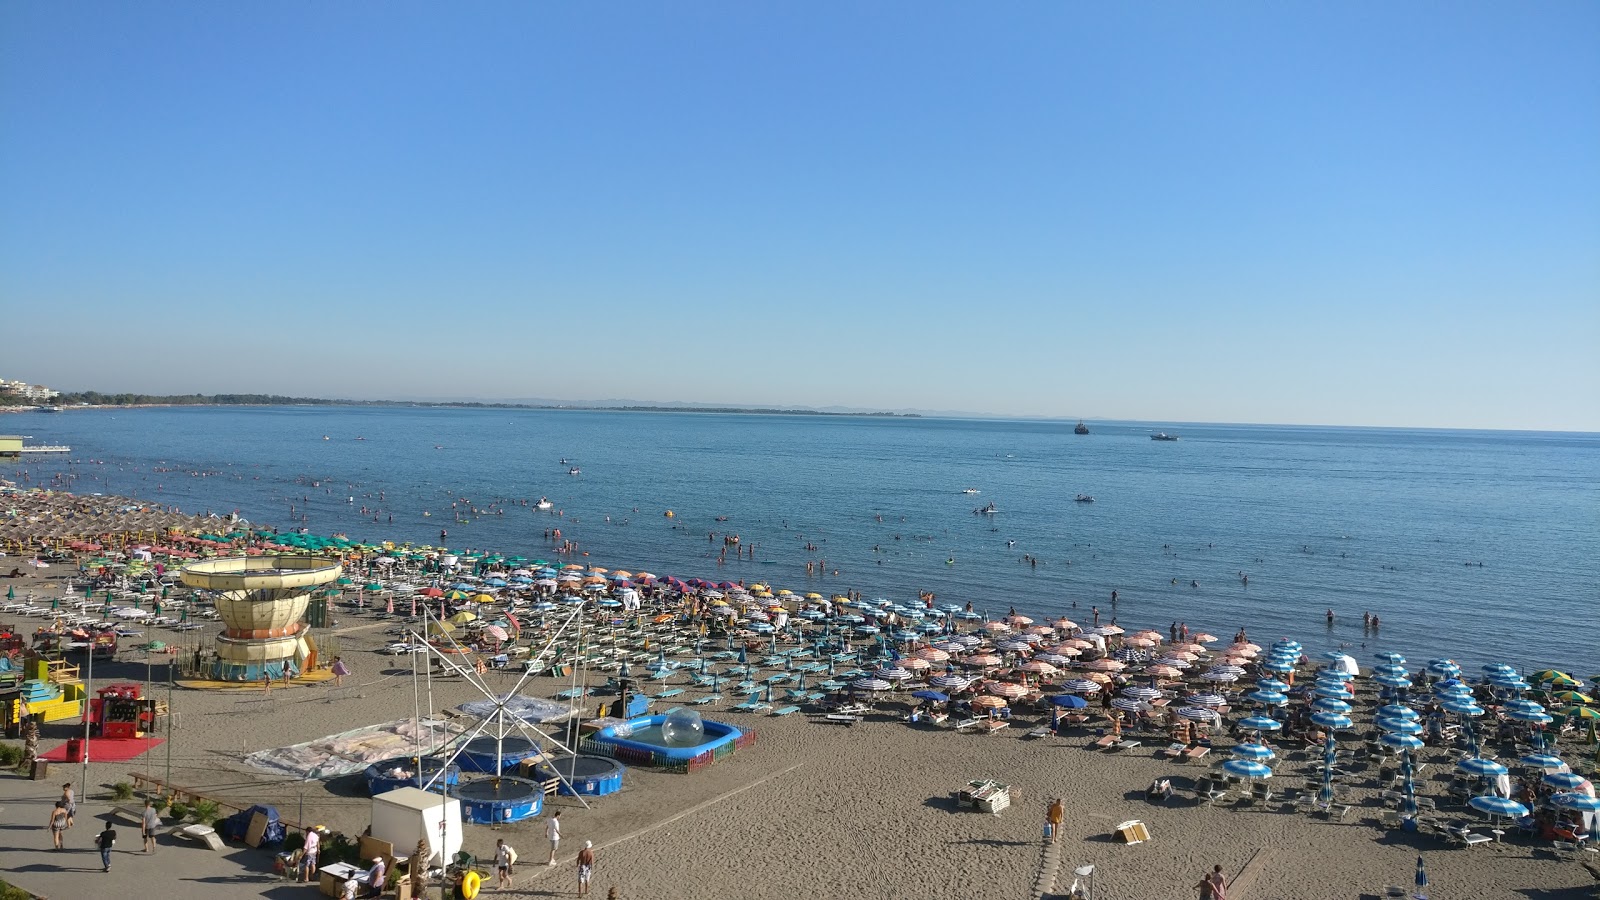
669,514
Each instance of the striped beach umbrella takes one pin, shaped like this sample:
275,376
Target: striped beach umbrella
950,682
1401,741
1141,693
1408,785
1484,768
1498,806
1260,723
1332,721
1329,759
1390,657
1390,669
1541,761
1539,717
1267,698
1128,704
1206,700
1575,800
1328,704
1008,689
1257,752
1247,768
1397,711
1565,781
1272,685
1080,686
1392,681
870,684
1198,713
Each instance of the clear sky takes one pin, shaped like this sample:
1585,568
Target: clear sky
1343,213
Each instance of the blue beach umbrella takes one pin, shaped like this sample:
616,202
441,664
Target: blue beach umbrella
1477,765
1267,698
1540,718
1390,669
1069,701
1498,806
1260,723
1564,781
1401,741
1390,657
1399,726
1422,881
1444,668
935,696
1273,665
1327,704
1332,721
1272,685
1408,786
1574,800
1522,706
1498,669
1541,761
1329,757
1461,707
1246,768
1397,711
1392,681
1257,752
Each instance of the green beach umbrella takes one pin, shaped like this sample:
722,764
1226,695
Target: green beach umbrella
11,593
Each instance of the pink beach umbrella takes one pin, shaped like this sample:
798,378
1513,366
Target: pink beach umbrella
988,701
1105,665
996,627
980,660
1064,624
1018,621
1038,667
932,654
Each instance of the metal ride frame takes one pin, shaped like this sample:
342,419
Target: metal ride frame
500,716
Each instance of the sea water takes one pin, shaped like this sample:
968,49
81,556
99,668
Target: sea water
1469,544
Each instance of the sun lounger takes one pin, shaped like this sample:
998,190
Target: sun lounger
670,693
1195,754
786,710
1172,750
1105,743
1125,745
966,724
1038,733
841,719
990,726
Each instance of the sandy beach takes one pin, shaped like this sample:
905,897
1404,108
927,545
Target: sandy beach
812,808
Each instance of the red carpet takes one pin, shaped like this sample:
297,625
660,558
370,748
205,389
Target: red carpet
104,750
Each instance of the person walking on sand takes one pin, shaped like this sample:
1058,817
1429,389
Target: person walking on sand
70,801
504,859
1213,886
552,830
585,867
340,670
149,823
58,823
1054,816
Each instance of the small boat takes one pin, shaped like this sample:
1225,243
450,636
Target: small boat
1081,428
544,503
1083,498
989,510
1163,436
574,471
969,490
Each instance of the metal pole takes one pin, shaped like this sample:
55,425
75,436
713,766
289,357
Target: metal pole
171,681
88,688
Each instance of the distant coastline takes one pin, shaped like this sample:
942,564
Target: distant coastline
97,400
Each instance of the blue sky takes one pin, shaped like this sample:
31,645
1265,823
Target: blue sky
1339,213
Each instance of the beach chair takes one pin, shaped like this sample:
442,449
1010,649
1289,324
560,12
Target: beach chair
841,719
990,726
1104,743
1038,733
786,710
1125,745
1173,750
664,695
747,705
1195,754
966,725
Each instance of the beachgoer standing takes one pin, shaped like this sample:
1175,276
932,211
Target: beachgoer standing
340,670
148,824
105,842
1213,886
552,830
1055,816
309,853
58,822
585,866
504,859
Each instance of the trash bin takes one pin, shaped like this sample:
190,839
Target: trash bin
41,770
74,749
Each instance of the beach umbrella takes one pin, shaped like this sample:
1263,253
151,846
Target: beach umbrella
1399,726
1327,704
1206,700
1272,685
935,696
1080,686
891,673
496,632
1332,721
1444,668
1257,752
1485,768
1565,781
988,701
1401,741
1574,800
1397,711
1390,669
1260,723
1408,786
1329,759
1462,707
1267,698
1522,706
1220,677
1390,657
1198,713
870,684
1392,681
1333,693
1422,881
1069,701
950,682
1038,666
1247,768
1497,806
1008,689
1272,665
1521,715
1128,704
1141,693
1541,761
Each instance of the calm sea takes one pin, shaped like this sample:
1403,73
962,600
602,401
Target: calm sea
1476,545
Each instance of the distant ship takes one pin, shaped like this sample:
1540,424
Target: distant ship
1081,429
969,491
989,510
1163,436
47,409
1084,498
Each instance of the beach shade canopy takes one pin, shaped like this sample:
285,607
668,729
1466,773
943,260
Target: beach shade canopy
1397,725
1260,723
1392,681
1390,669
1539,717
1327,704
1141,693
1267,698
1333,691
1272,685
1541,761
1574,800
1080,686
1565,781
870,684
1128,704
935,696
1247,768
1498,806
1462,707
950,682
1206,700
1069,701
1401,741
1397,711
1334,721
1198,713
1477,765
1522,706
1390,657
1278,665
1257,752
988,701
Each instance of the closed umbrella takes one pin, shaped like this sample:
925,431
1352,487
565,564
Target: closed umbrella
1329,757
1422,881
1408,785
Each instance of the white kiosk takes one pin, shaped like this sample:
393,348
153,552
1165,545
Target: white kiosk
407,815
